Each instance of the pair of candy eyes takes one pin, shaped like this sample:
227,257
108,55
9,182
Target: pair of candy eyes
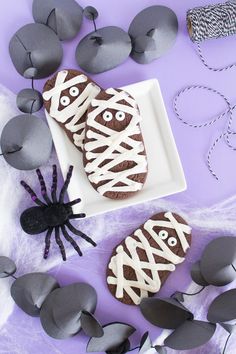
65,100
108,116
172,242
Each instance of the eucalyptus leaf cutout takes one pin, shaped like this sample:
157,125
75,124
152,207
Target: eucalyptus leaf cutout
223,307
145,343
7,267
230,328
113,340
90,325
165,313
90,13
218,261
31,290
61,313
190,335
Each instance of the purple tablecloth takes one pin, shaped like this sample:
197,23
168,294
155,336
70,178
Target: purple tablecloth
177,69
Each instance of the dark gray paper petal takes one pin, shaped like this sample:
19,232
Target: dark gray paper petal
230,328
160,349
61,313
90,13
64,17
197,275
7,267
189,335
35,50
115,334
103,50
145,343
32,135
123,349
218,261
29,101
165,313
223,308
90,325
158,23
30,291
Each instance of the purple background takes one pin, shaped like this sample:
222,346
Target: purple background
178,68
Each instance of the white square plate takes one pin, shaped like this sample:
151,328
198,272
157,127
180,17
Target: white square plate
165,172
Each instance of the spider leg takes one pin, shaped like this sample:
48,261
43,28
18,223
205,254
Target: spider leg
73,202
47,242
60,243
43,187
32,194
80,233
71,240
54,184
66,184
77,216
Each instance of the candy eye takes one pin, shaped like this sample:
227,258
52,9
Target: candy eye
163,234
120,116
172,241
74,91
65,101
107,116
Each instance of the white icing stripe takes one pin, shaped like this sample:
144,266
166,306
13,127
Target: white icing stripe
145,283
114,152
74,111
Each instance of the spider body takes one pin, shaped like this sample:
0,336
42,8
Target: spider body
52,215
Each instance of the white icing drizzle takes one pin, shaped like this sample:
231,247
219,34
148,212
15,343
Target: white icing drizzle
74,110
145,283
114,153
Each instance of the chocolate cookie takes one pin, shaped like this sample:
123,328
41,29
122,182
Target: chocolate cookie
114,154
140,265
67,96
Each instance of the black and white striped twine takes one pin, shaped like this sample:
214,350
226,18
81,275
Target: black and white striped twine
227,113
211,22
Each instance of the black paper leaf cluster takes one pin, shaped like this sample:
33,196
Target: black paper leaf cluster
216,267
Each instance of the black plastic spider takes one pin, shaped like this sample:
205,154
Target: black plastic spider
52,215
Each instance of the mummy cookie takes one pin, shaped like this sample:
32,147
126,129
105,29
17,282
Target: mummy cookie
114,154
140,265
67,96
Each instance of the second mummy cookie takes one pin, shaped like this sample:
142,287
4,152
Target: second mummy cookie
140,265
67,96
114,154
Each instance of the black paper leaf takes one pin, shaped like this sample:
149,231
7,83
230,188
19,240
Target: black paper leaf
61,313
153,32
111,48
190,335
30,291
27,132
90,13
35,50
29,101
145,343
218,261
160,349
165,313
114,337
123,349
90,325
197,275
64,17
230,328
223,308
7,267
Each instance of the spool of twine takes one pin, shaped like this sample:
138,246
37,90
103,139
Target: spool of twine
212,22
